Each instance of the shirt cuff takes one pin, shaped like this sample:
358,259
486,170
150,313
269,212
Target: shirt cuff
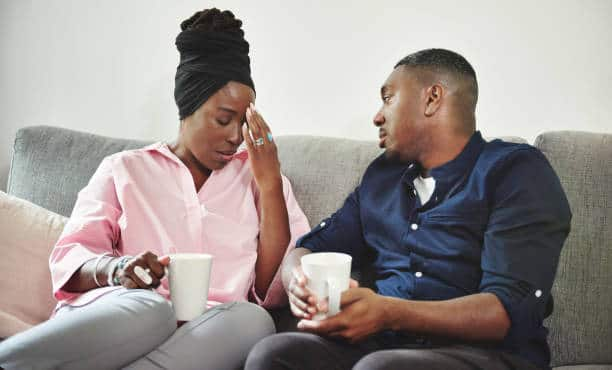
275,296
525,304
63,268
309,240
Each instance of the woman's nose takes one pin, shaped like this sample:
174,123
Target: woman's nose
235,135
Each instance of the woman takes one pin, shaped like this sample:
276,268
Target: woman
198,194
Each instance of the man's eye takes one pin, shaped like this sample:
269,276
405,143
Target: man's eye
386,98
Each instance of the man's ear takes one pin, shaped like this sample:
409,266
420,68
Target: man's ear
433,99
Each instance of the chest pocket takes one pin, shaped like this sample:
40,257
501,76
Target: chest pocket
457,211
462,223
457,216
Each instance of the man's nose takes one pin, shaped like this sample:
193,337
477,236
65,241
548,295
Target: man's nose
379,119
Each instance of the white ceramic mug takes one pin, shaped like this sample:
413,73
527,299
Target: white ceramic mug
189,277
328,276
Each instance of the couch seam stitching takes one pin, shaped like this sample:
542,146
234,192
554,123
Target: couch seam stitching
11,166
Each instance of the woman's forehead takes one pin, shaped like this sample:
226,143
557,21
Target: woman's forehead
236,91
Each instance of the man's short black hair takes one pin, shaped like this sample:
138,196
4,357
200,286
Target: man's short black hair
442,60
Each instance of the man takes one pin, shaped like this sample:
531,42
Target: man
462,238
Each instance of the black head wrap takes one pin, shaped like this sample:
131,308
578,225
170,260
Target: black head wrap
209,60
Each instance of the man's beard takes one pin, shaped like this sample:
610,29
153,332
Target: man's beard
396,156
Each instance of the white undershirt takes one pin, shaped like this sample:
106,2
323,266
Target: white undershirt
424,187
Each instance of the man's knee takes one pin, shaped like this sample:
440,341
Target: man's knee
275,352
399,359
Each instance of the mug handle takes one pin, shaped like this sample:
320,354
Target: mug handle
334,292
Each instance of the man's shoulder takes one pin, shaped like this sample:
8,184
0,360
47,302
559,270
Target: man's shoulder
498,153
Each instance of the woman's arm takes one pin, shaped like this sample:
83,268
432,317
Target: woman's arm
274,234
83,279
91,232
274,237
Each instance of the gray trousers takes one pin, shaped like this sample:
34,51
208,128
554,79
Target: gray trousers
136,329
304,351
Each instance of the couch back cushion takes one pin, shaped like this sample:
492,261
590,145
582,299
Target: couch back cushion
581,323
323,170
51,165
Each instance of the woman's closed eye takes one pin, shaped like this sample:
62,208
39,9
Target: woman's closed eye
224,121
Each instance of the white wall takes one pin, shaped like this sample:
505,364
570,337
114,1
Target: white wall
107,67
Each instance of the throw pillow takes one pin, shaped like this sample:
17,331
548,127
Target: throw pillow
27,235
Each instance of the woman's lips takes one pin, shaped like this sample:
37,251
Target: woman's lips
226,156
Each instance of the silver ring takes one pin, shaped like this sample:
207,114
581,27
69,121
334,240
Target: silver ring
143,274
259,141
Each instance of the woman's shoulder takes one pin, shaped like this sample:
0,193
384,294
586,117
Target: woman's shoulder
146,153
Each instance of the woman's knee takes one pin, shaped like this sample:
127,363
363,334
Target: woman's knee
250,319
150,309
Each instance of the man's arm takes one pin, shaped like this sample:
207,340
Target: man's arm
476,317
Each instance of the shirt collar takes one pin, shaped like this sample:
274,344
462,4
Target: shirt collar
450,172
164,149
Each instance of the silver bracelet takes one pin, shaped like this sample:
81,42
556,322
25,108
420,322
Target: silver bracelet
112,270
122,261
95,271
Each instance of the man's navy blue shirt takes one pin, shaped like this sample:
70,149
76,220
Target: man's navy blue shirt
495,223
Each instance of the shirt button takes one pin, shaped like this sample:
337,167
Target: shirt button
538,293
418,274
322,224
414,227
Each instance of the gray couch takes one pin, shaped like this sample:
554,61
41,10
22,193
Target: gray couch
50,165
